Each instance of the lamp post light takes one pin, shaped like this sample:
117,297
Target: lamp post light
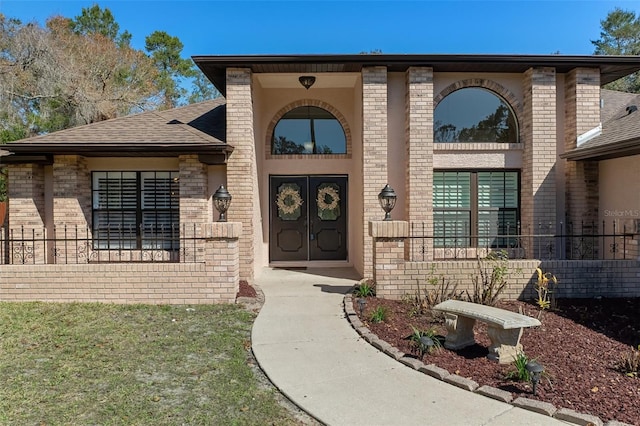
387,198
361,304
221,201
535,370
426,343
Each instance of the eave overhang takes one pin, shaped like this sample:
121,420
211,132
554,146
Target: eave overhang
43,153
214,66
604,152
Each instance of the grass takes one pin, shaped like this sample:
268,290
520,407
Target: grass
130,364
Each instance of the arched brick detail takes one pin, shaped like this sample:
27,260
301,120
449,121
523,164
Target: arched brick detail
491,85
301,103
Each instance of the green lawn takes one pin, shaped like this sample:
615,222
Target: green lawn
130,365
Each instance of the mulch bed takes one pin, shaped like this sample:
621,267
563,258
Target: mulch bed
580,344
246,290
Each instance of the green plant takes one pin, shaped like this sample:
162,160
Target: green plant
545,289
379,314
520,374
365,288
437,289
490,280
417,345
630,362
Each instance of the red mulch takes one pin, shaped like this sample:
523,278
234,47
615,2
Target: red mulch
246,290
579,343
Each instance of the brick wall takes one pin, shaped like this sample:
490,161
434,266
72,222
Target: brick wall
26,208
215,280
71,197
374,157
195,204
582,113
538,187
242,174
419,147
395,276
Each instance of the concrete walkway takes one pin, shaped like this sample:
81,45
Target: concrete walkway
308,349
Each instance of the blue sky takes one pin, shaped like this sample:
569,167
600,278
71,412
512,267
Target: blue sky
305,27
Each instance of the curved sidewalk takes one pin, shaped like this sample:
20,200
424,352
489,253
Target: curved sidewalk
308,349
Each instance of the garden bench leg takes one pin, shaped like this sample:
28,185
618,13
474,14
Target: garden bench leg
505,344
459,331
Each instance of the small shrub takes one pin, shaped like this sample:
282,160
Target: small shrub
490,280
545,287
379,314
416,343
436,290
630,362
520,374
366,288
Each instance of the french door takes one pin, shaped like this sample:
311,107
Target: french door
308,218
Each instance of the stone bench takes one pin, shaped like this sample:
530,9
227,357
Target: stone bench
504,328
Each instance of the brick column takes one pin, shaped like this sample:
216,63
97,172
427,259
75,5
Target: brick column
26,213
222,258
242,173
71,192
374,156
538,186
195,204
419,146
582,113
388,241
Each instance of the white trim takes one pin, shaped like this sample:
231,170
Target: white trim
590,134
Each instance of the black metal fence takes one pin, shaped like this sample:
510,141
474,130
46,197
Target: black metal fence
75,245
586,241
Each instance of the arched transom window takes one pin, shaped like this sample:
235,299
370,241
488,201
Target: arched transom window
308,130
474,114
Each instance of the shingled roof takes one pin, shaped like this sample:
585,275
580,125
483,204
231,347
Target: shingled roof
620,135
197,129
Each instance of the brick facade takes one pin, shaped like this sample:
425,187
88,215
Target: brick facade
396,276
242,173
419,149
374,156
538,121
215,280
582,113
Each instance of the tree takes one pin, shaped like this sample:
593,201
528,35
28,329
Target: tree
165,52
620,35
95,20
202,89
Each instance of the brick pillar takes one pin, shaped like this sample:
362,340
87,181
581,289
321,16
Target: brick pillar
538,186
71,192
374,156
388,240
195,204
419,146
26,213
222,257
582,113
242,173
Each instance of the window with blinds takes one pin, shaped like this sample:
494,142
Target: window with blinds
135,210
476,208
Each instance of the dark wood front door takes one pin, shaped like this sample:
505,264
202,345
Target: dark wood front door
308,218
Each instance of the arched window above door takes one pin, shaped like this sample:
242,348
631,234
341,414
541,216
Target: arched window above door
474,114
308,130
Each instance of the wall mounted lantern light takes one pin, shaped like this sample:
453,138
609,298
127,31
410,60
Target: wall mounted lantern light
387,198
307,81
221,201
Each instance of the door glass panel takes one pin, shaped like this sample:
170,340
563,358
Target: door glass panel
328,201
289,201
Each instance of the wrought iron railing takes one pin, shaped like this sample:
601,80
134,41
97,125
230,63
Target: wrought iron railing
76,244
587,241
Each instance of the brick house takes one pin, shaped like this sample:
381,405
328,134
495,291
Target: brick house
484,152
